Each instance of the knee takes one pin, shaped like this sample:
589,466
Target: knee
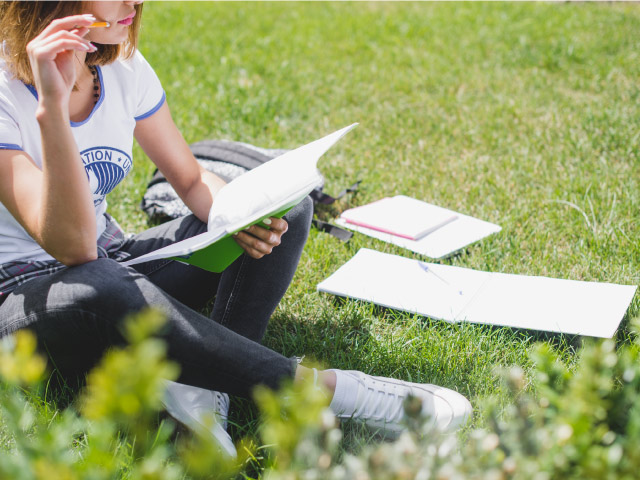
299,218
102,286
189,226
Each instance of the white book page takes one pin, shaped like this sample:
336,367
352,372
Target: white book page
444,241
401,216
552,305
180,249
271,185
405,284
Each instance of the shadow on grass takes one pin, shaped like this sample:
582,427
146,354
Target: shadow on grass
555,339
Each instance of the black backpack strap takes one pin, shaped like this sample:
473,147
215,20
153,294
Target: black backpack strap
333,230
320,197
157,177
235,153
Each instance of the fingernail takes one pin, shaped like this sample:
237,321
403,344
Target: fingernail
93,47
90,17
267,221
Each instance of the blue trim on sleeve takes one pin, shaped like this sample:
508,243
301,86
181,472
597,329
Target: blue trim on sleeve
153,110
97,105
10,146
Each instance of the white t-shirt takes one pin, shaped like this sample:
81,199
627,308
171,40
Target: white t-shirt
130,91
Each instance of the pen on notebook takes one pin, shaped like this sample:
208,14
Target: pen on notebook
426,268
99,25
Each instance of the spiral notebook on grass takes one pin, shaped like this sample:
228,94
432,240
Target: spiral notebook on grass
456,294
400,216
421,227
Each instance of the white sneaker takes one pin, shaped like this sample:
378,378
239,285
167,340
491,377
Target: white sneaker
378,403
201,410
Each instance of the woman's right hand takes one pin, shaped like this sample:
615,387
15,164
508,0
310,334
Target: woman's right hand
52,57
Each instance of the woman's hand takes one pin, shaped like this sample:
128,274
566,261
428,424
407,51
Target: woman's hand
258,241
52,57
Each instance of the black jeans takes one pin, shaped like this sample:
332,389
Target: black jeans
76,313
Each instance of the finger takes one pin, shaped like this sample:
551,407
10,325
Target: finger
52,49
67,23
81,32
278,224
64,34
253,244
248,249
271,237
43,45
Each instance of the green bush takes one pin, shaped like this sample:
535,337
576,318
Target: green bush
112,431
581,423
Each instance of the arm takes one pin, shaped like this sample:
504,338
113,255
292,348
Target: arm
163,143
54,204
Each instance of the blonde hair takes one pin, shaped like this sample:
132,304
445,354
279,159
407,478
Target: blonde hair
22,21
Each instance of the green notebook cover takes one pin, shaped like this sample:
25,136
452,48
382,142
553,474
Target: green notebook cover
219,255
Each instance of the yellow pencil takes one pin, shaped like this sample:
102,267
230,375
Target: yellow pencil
99,25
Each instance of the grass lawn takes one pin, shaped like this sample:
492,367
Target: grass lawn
525,115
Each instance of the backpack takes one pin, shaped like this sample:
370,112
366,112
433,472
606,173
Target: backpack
228,160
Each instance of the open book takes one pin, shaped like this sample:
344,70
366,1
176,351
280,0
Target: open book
269,190
456,294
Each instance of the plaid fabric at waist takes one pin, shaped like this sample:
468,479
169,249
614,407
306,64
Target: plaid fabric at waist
14,274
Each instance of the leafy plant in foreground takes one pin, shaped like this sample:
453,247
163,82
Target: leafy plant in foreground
115,434
582,423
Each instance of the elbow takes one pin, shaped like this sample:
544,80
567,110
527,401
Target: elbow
76,258
70,244
76,255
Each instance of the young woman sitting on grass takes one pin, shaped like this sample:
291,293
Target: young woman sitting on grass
73,95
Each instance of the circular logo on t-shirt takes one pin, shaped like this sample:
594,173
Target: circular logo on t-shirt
106,167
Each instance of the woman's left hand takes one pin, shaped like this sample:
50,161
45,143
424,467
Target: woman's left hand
259,241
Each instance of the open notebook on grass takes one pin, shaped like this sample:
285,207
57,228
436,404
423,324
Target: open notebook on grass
269,190
421,227
456,294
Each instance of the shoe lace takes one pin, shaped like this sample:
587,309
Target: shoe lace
222,407
382,401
